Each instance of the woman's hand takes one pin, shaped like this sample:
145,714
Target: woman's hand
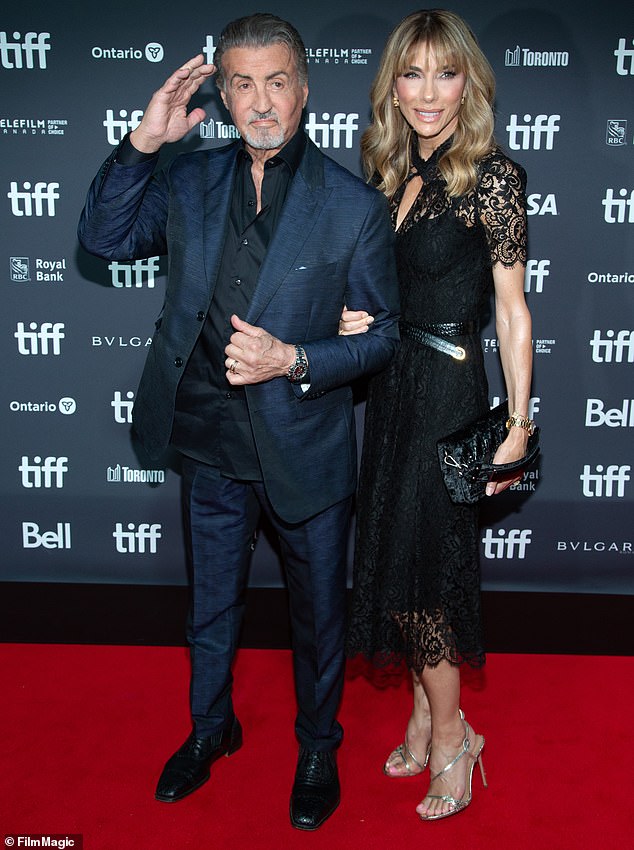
512,449
354,322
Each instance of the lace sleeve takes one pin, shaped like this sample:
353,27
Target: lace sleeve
502,209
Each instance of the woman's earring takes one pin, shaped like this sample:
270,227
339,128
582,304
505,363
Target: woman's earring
462,100
396,102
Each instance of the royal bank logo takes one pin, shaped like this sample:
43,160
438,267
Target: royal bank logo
624,58
524,57
153,52
67,406
614,347
136,275
47,473
127,475
33,126
338,55
137,540
506,544
31,200
17,53
20,269
116,128
531,134
41,339
33,538
618,210
122,408
607,482
336,133
212,129
536,272
616,133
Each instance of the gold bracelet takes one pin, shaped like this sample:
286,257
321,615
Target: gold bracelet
515,419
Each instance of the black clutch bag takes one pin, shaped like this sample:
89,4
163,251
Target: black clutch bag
466,456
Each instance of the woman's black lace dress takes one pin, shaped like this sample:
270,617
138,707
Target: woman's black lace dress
416,574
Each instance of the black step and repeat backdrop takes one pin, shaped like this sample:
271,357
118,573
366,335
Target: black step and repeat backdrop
79,503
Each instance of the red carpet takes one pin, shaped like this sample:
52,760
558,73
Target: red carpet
86,731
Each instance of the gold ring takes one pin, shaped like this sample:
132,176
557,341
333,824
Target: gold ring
233,367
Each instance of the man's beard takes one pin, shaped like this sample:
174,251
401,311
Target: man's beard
265,139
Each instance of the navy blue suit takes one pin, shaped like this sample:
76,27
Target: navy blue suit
332,246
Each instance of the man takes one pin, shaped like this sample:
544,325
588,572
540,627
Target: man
247,376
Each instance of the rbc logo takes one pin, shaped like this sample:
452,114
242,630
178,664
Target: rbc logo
116,128
48,473
511,545
17,54
25,202
331,132
604,483
529,135
136,540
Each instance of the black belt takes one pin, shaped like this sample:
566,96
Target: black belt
431,334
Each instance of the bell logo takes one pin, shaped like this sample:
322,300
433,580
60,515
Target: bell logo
614,417
32,538
25,202
529,136
19,54
507,545
608,483
137,540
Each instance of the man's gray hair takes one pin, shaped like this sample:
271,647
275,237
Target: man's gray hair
261,30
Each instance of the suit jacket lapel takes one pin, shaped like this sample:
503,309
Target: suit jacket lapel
304,203
217,198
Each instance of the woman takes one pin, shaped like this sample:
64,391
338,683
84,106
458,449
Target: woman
458,208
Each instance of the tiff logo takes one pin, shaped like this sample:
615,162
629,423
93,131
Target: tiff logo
47,473
127,275
619,211
624,58
25,202
137,540
22,54
37,341
32,538
122,409
511,545
331,132
536,271
116,128
529,136
533,405
613,349
600,483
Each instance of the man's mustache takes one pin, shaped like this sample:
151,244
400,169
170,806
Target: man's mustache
258,116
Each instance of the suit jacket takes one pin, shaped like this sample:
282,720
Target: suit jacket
333,246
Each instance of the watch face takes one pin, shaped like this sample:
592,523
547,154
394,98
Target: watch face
298,372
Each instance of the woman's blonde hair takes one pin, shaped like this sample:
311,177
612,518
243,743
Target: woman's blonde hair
385,145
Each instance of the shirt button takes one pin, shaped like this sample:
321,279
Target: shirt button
200,315
245,241
238,281
178,362
251,203
228,395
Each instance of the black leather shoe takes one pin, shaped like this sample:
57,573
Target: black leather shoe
188,768
316,792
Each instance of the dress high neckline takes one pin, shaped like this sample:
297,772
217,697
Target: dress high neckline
425,166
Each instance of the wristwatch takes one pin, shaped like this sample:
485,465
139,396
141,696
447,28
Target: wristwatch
520,422
299,368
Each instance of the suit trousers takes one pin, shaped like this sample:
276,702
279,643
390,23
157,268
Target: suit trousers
221,517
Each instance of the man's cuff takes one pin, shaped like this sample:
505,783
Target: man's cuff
127,154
